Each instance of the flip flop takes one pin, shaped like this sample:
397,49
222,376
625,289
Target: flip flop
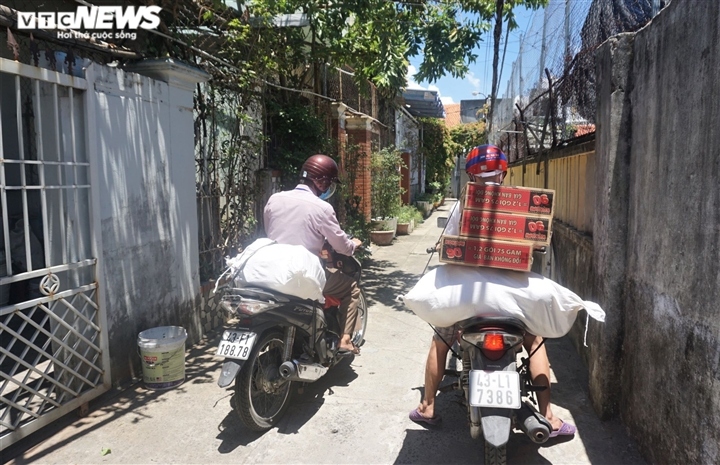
346,352
417,417
566,429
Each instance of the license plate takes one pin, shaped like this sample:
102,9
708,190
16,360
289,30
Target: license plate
236,344
500,389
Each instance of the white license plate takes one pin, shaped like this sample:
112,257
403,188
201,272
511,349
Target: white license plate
236,344
500,389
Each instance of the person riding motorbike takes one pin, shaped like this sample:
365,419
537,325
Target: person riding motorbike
486,164
302,217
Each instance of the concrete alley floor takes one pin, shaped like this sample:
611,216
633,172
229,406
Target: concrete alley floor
355,414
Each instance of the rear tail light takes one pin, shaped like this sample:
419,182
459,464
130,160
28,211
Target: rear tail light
493,341
493,344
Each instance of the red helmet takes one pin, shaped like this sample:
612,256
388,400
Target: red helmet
485,160
320,168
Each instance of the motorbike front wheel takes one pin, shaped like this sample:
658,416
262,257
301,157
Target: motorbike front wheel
262,394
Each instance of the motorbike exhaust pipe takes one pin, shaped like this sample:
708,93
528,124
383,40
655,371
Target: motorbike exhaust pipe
534,425
298,371
288,370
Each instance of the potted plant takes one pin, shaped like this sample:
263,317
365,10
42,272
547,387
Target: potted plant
385,187
406,219
424,201
382,236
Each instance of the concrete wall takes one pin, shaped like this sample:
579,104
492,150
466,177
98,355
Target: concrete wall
657,234
407,139
141,142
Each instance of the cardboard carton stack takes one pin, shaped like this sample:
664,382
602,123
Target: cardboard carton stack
500,226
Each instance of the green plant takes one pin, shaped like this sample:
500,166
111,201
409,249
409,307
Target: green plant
467,136
406,213
295,134
410,213
424,197
436,187
418,216
439,151
385,190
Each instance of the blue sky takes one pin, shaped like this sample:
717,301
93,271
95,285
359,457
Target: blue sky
479,79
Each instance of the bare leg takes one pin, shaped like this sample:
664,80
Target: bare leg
540,372
434,372
343,287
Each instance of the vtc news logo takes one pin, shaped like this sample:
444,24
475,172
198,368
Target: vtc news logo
105,18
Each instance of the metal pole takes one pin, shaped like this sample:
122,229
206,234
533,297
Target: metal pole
521,89
566,63
543,47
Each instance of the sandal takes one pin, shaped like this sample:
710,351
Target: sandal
417,417
566,429
354,351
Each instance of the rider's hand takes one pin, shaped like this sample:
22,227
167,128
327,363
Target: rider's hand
357,242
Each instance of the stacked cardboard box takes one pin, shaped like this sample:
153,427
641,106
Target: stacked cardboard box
500,226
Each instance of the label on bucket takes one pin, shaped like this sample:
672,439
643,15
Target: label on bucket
163,369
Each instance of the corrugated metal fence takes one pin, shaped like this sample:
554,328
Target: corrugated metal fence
571,173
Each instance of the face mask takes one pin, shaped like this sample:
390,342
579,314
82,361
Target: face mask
328,193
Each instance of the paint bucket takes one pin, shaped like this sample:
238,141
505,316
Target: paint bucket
162,353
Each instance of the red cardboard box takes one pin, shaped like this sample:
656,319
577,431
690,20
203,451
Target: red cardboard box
505,226
472,251
511,199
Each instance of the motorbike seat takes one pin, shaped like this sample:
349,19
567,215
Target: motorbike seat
269,294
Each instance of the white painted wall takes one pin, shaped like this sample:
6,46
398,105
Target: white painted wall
140,140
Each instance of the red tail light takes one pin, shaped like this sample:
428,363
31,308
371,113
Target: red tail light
493,342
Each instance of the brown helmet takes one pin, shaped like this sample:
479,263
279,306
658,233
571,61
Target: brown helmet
320,168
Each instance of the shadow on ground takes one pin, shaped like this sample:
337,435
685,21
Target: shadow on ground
450,441
383,287
306,400
128,400
571,392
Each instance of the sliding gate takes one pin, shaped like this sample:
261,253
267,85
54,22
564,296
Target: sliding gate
53,346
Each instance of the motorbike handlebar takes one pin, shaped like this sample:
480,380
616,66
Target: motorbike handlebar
430,250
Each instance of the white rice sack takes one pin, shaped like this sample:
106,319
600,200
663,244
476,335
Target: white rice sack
452,293
290,269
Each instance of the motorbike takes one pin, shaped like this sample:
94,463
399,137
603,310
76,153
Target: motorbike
498,387
278,341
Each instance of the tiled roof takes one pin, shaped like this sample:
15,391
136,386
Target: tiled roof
452,115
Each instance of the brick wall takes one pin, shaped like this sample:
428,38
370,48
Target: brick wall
359,132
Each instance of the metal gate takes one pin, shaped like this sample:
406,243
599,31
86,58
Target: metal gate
53,346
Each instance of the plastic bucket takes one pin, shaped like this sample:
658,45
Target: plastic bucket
162,352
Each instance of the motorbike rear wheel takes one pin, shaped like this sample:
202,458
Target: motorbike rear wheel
495,455
358,337
262,395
